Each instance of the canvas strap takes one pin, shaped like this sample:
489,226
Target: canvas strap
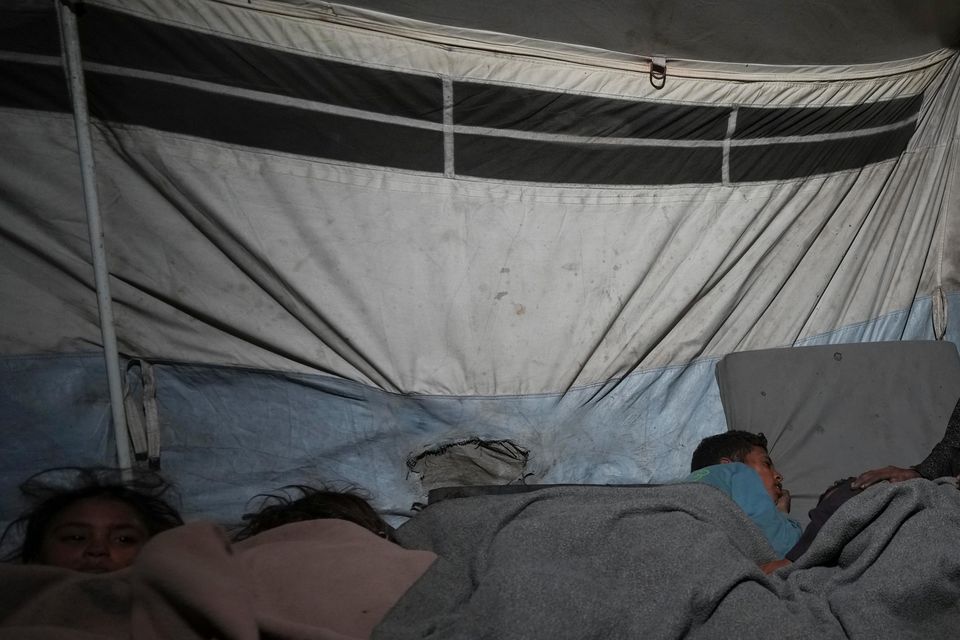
140,404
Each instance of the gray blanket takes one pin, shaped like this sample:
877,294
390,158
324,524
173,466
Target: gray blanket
679,561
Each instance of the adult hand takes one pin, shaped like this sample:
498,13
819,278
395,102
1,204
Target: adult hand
892,474
783,503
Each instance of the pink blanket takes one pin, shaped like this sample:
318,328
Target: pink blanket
317,580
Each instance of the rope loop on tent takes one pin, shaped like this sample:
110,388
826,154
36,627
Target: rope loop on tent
939,313
658,72
140,405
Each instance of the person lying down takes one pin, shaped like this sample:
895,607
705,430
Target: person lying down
303,569
739,465
90,519
361,574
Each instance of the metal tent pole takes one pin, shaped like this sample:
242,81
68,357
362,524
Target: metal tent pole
70,41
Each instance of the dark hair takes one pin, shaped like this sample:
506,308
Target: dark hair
53,490
734,445
299,502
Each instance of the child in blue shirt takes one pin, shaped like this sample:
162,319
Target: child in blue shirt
738,464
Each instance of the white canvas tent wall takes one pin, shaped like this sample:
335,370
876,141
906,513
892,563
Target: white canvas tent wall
344,238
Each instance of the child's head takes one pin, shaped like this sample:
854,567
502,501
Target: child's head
729,446
297,503
740,446
95,523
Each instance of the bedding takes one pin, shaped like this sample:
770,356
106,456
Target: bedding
317,580
679,561
668,561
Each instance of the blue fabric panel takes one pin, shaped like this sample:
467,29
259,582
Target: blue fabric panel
228,434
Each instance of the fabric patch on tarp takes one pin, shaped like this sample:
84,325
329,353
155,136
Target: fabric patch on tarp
470,462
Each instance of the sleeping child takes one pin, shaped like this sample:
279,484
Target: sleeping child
738,464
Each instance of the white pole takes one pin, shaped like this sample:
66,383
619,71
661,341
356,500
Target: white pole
73,64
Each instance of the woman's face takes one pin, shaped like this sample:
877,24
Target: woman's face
95,535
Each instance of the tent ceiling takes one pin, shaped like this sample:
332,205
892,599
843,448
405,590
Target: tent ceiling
743,31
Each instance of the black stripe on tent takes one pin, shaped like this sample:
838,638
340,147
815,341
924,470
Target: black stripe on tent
118,39
252,123
499,107
794,160
753,122
30,30
33,86
258,124
289,129
538,161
